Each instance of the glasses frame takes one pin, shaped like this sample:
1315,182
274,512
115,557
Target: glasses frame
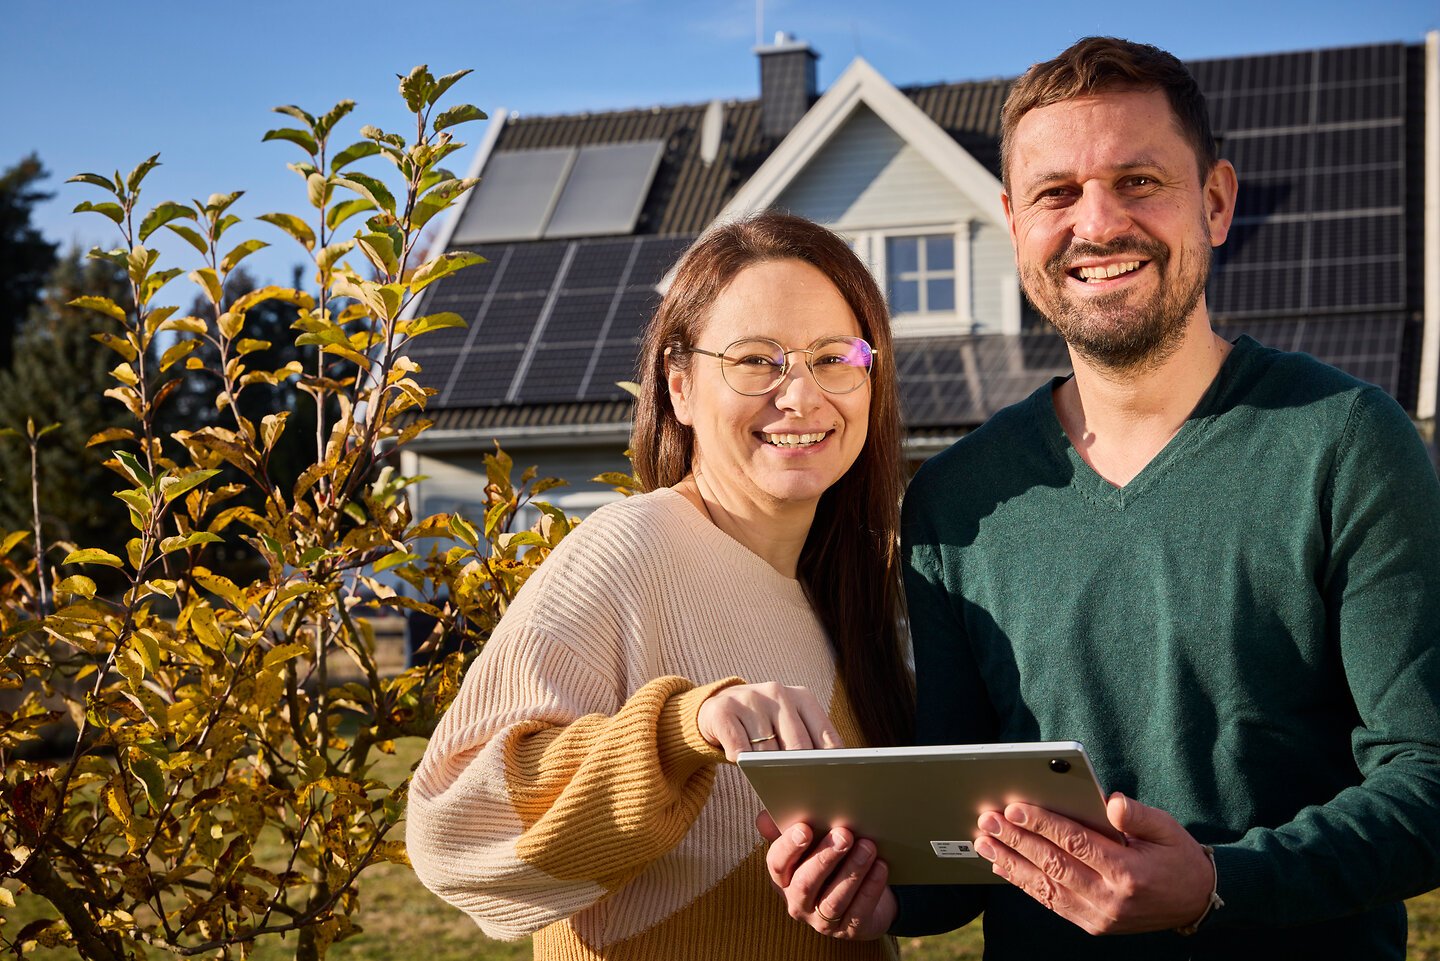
785,367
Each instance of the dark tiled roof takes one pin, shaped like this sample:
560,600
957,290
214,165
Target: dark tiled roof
1327,223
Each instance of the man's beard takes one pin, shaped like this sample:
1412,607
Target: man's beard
1104,330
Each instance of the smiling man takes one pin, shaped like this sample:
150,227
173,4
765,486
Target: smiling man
1215,564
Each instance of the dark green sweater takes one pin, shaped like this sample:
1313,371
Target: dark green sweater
1245,635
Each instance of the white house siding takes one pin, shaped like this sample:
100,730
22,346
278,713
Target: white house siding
867,177
993,295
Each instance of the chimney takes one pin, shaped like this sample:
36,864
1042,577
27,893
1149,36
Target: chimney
787,84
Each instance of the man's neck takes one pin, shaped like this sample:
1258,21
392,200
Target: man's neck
1119,420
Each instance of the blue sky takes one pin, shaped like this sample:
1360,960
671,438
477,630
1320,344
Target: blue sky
98,86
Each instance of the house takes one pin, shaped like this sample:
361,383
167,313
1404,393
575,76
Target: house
1335,248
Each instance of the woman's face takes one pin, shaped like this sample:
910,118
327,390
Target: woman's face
789,445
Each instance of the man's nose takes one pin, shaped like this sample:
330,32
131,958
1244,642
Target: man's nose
1099,215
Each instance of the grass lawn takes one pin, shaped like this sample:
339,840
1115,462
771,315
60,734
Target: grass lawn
402,919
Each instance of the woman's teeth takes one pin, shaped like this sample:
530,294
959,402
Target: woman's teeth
793,440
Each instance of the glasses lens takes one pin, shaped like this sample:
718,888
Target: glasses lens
841,364
753,366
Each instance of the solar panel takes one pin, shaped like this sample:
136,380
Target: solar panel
515,197
606,189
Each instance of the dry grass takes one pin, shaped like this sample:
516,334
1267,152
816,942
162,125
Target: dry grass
400,918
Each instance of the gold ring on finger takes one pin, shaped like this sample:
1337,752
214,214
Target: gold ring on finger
762,740
821,912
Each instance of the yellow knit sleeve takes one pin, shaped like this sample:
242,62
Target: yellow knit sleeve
522,821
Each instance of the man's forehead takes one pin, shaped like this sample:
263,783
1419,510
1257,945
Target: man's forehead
1130,122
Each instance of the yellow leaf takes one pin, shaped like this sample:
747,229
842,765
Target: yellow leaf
93,555
77,584
284,652
11,540
209,281
230,323
125,374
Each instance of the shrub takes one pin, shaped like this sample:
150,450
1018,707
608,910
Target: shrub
206,727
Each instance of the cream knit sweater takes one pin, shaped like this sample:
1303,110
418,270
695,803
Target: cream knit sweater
568,790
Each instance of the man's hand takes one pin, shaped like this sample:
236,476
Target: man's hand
837,886
1160,878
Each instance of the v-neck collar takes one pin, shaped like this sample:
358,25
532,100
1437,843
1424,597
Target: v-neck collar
1098,489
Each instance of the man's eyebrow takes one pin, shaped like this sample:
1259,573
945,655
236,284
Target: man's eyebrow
1062,176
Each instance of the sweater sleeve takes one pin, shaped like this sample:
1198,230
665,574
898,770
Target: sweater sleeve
1374,842
539,795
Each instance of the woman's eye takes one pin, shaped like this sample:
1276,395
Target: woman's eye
755,360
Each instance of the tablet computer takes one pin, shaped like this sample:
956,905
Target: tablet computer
920,804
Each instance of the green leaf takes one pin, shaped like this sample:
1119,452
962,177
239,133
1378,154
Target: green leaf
94,179
446,82
346,209
163,214
93,555
141,169
170,544
135,469
442,266
306,142
416,88
371,189
296,112
114,211
196,241
429,322
224,224
458,114
394,559
352,153
151,779
293,226
239,253
155,281
330,254
185,483
325,124
379,249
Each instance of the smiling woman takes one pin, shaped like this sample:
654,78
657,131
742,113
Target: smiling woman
747,601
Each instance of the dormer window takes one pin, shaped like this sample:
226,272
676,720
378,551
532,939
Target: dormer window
920,273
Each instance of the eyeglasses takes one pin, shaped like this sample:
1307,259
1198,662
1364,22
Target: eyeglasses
756,366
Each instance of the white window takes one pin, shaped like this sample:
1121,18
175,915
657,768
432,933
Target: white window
920,273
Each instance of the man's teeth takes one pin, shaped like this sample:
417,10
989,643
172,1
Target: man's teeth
1108,271
793,440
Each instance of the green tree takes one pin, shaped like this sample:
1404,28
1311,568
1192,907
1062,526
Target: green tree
59,376
210,731
26,258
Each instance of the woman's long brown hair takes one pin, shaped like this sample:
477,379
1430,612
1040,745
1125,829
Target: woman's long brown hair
849,565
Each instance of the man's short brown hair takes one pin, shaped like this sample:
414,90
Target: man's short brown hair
1097,64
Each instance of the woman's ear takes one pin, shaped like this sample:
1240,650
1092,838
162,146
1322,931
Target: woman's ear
679,383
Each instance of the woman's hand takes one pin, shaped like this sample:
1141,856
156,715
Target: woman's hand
835,883
765,717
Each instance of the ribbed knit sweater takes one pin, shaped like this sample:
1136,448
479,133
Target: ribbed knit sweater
568,791
1246,635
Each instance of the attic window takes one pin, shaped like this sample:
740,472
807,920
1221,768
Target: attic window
920,271
590,191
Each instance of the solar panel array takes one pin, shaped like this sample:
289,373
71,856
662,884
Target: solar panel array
1318,141
945,381
549,321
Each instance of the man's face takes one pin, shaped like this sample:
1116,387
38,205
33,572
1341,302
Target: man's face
1111,224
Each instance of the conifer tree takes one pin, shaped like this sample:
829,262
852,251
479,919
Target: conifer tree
60,375
26,258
